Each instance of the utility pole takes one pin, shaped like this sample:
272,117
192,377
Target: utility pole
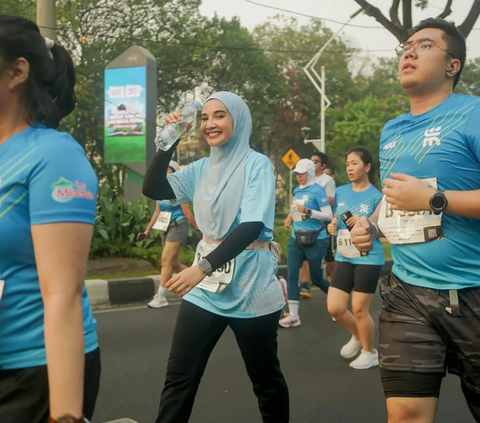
319,82
46,18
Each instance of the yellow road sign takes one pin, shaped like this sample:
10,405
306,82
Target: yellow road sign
290,159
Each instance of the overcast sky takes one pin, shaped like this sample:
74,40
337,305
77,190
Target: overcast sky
363,38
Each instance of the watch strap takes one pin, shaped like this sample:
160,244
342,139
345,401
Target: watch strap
205,266
374,229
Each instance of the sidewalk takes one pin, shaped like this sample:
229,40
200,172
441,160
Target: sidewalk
112,293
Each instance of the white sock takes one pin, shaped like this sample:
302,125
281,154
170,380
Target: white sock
293,307
162,292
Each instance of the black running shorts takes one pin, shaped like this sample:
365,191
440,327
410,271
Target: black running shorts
356,277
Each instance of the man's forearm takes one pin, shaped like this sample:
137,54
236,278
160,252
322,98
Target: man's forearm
463,203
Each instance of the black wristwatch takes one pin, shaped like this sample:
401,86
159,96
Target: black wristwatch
205,267
438,202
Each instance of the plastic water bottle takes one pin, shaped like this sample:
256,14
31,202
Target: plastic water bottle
172,132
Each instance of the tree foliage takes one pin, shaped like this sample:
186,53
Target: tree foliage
264,66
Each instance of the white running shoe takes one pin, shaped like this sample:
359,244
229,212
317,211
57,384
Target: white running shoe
290,321
158,302
365,360
351,348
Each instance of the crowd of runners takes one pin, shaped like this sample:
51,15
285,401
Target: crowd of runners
424,200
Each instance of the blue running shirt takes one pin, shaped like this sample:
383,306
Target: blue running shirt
315,198
254,290
176,210
443,143
45,177
363,203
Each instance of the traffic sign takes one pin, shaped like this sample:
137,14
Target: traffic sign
290,159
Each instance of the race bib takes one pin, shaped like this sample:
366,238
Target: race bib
163,221
296,215
405,227
345,246
220,277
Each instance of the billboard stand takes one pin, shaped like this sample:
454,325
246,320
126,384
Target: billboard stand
130,115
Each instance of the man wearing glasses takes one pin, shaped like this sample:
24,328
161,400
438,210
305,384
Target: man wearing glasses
430,170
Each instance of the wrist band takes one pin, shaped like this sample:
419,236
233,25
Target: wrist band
374,226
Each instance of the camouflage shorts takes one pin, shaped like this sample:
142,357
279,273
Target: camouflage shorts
418,334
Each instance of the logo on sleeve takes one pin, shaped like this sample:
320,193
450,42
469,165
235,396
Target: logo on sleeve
65,191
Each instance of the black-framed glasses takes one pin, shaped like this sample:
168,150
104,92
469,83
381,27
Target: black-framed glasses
419,47
316,161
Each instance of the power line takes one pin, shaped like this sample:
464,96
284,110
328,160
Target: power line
212,47
322,19
311,16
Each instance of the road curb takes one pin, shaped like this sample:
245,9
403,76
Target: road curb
111,293
105,293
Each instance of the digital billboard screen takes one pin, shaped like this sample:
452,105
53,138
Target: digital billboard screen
125,111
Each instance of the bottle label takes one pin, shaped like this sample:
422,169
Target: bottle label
173,132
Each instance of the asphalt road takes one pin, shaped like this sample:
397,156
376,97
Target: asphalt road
135,345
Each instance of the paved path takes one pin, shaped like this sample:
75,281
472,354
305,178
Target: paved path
323,389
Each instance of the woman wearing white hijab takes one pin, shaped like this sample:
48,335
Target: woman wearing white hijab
309,241
235,284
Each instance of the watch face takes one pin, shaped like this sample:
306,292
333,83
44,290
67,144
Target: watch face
438,202
205,266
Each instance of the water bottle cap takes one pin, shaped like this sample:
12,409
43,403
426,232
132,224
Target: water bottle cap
197,105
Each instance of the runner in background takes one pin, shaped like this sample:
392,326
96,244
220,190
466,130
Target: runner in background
174,218
309,211
355,274
330,171
328,184
430,169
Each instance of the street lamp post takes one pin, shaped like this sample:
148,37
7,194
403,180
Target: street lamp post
319,82
46,18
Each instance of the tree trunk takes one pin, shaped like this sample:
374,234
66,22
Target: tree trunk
398,31
401,30
470,20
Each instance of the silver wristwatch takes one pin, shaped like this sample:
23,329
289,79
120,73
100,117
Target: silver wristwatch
205,266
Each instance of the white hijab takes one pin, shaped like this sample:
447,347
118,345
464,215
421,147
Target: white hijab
306,166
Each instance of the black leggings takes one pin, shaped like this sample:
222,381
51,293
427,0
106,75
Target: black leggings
24,394
196,334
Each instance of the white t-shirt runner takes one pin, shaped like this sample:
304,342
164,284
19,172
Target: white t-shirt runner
327,183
